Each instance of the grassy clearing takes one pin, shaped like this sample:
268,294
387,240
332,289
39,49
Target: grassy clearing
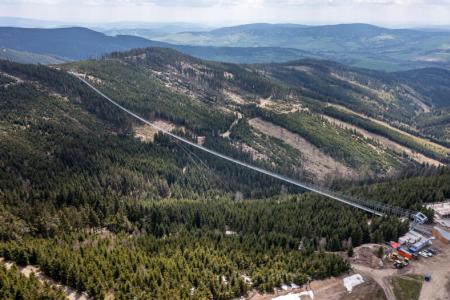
407,287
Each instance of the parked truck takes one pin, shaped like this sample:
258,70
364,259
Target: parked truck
405,253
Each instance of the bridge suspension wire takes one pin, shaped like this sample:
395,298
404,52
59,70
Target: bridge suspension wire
198,164
373,207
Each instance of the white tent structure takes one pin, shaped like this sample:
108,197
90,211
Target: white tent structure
352,281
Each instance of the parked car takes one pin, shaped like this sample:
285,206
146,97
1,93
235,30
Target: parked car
423,254
432,251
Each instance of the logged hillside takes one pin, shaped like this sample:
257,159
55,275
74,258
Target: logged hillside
108,206
376,118
317,121
404,100
103,212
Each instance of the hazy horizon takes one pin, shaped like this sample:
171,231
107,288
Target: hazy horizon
390,13
47,23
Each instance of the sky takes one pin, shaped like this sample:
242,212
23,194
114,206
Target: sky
230,12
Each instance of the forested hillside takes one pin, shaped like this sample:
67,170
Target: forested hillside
72,177
359,45
15,286
381,106
50,45
27,57
106,205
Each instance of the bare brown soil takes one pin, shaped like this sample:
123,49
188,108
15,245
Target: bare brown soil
330,289
235,98
365,256
437,266
316,162
281,106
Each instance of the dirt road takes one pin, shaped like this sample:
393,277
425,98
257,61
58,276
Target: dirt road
382,277
378,278
227,133
437,266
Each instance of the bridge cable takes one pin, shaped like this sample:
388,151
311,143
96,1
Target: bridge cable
384,208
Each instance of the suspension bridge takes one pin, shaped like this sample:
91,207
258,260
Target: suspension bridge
369,206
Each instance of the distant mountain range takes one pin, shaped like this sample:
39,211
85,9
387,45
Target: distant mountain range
149,30
359,45
162,27
77,43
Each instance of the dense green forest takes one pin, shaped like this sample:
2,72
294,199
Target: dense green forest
16,286
418,187
103,212
163,249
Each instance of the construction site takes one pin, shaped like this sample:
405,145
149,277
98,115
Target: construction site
416,266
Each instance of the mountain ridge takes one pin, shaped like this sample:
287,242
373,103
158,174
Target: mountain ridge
356,44
109,207
75,43
383,49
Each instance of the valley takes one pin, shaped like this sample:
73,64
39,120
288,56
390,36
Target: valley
114,208
225,150
358,45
